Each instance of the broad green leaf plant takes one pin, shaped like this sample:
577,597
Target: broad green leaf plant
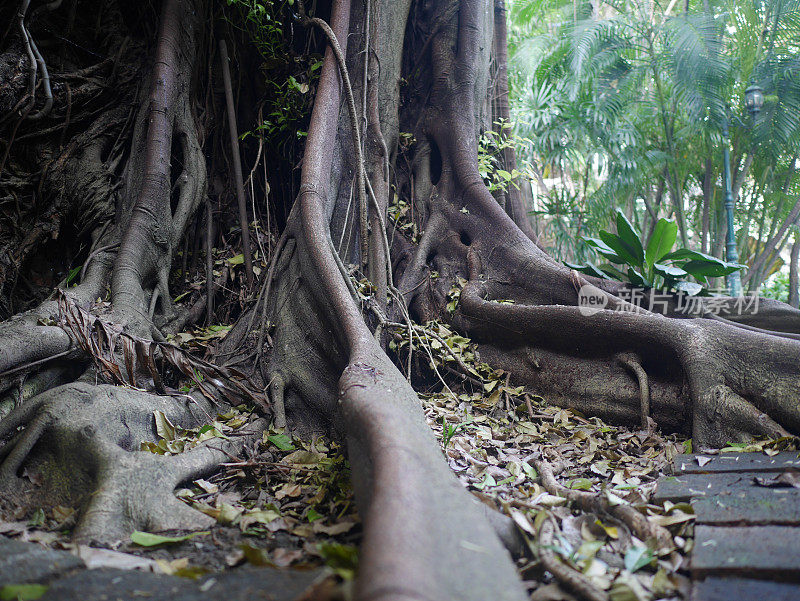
654,264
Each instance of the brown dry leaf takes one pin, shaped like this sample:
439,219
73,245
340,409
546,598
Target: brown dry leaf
304,458
62,514
284,557
676,517
100,340
289,490
259,516
786,479
339,528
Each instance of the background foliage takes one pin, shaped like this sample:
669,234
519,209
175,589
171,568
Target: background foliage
622,104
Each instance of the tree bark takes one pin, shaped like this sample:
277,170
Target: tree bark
318,340
517,209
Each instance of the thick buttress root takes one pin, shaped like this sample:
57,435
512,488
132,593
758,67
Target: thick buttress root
425,537
81,444
731,395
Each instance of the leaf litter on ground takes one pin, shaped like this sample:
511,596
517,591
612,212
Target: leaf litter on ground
287,502
491,434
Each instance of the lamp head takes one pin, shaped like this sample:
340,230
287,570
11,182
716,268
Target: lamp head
754,99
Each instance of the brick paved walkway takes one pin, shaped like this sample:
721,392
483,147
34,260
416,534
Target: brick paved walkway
747,527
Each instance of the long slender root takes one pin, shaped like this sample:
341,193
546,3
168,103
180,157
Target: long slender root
634,364
570,578
351,106
629,516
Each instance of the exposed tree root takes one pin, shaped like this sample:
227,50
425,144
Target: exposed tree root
633,363
425,538
319,345
593,503
152,228
81,444
572,580
698,348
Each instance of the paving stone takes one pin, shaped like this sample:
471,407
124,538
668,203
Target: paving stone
242,584
750,505
249,582
740,589
735,462
21,562
755,551
689,486
106,584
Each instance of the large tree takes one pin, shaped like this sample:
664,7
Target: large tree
116,153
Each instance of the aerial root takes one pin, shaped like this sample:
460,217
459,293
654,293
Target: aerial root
570,578
351,106
593,503
277,386
634,364
37,65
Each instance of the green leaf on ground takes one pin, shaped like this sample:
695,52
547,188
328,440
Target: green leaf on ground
581,484
282,441
257,556
22,592
488,480
342,559
637,557
37,519
148,539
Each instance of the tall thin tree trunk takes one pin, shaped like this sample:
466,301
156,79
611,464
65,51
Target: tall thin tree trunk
794,293
770,246
516,207
708,192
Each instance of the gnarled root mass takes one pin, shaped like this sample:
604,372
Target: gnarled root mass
98,429
78,444
318,340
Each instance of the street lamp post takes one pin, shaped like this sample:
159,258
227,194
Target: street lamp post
731,254
753,100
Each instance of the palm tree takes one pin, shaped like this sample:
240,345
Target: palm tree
645,92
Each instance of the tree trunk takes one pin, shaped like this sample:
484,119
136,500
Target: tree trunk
517,209
314,337
708,191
